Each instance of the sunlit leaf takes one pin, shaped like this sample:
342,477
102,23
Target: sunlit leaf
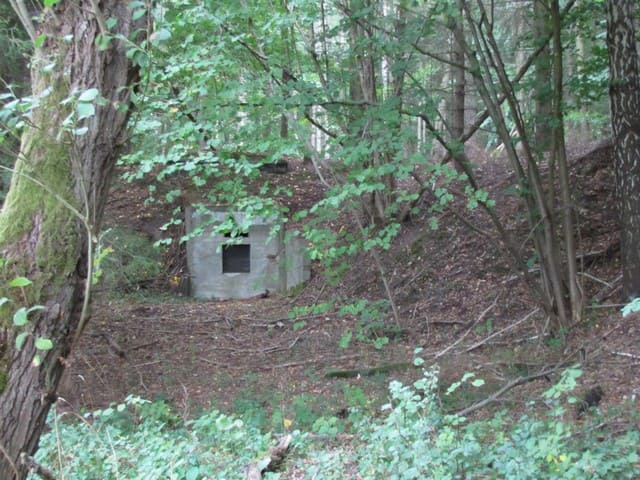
20,282
160,35
85,110
89,95
20,338
20,318
44,344
36,360
40,40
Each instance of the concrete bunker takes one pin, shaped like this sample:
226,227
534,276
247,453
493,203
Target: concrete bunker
251,264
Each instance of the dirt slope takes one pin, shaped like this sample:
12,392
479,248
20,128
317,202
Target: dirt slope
457,296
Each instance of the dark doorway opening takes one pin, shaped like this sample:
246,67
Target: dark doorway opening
236,259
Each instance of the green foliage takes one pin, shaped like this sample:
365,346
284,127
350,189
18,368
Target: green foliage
23,328
416,440
632,306
373,326
411,439
126,260
142,440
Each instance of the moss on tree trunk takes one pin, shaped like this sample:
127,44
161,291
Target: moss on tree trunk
55,203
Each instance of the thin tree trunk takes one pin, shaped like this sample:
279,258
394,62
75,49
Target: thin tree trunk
55,204
458,81
543,88
560,155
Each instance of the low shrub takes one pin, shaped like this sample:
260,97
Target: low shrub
413,438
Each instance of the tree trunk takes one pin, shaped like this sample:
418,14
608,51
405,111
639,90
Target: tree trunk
55,204
456,122
543,89
559,155
624,92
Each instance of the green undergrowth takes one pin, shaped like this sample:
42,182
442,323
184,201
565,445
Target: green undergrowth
409,438
273,411
126,261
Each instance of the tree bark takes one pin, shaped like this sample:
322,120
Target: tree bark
559,155
457,69
624,91
543,94
55,205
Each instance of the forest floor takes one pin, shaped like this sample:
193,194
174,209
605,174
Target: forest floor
457,296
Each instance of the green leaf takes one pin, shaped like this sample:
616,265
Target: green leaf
102,41
20,338
20,317
346,339
478,382
138,14
85,110
160,35
299,325
40,40
36,360
20,282
111,22
89,95
44,344
51,3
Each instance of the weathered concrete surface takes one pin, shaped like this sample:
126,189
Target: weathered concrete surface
274,264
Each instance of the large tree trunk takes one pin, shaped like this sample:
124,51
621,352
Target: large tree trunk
625,120
55,203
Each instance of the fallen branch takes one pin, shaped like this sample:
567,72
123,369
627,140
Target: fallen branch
35,467
624,354
307,362
367,372
473,325
513,383
271,462
500,332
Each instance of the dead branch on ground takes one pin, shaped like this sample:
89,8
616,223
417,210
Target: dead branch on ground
469,330
271,462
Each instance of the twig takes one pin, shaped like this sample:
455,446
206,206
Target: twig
307,362
292,344
143,345
624,354
146,364
35,467
8,458
99,18
446,322
114,347
500,332
25,18
513,383
473,325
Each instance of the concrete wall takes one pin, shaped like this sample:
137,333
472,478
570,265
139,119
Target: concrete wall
273,265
